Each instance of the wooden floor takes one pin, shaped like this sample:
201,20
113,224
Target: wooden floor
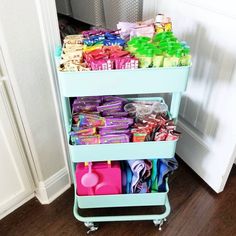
196,210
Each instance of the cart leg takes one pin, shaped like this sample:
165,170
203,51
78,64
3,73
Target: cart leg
159,223
91,227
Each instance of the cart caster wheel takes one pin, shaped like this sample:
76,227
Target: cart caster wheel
159,223
91,227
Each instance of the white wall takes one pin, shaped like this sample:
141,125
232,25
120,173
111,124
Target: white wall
23,49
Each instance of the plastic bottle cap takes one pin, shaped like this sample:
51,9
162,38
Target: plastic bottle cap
159,18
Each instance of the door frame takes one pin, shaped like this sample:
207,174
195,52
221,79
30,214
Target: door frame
48,20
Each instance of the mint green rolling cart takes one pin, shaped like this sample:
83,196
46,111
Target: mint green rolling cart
121,82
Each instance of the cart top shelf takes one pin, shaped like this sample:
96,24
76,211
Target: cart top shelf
119,82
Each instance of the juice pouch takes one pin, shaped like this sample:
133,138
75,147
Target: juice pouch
158,59
167,62
185,60
145,58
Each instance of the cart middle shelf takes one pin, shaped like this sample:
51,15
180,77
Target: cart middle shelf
122,151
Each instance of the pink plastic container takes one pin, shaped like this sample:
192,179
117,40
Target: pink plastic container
102,179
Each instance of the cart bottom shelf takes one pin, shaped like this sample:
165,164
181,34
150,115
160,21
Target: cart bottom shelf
122,200
154,199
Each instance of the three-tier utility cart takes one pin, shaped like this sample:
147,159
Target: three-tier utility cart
121,82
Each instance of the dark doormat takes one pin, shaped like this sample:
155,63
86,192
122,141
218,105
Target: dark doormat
68,26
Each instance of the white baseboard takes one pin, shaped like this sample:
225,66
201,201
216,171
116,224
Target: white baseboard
7,212
53,187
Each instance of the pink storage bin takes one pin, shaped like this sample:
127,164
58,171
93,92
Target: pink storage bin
108,179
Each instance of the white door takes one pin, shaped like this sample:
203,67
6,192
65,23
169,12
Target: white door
16,185
207,112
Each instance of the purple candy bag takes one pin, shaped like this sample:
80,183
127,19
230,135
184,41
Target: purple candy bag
85,106
85,140
115,127
110,106
113,131
120,120
89,120
115,114
116,138
97,99
113,98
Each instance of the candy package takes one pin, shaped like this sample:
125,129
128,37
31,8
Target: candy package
139,137
84,132
85,107
114,131
85,140
114,113
160,136
114,138
114,105
173,136
115,127
91,120
127,29
103,38
115,121
114,98
73,39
